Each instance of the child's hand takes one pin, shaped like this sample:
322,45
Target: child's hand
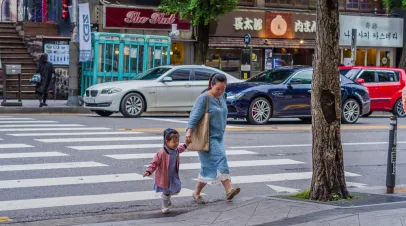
146,174
188,142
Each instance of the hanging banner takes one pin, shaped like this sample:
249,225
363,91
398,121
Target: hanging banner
85,41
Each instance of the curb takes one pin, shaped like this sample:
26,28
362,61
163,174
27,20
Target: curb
46,110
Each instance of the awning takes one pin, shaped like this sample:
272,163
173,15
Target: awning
226,42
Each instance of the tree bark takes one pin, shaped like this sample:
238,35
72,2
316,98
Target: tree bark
327,153
202,43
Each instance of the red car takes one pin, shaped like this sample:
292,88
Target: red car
385,87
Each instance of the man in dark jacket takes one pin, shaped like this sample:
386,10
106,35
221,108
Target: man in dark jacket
45,69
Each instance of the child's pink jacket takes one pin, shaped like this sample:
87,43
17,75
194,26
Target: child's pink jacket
160,164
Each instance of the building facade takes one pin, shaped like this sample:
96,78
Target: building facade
283,33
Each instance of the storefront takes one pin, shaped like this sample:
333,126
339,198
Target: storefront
377,40
276,40
147,21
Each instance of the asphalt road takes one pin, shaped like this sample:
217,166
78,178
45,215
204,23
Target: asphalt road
78,165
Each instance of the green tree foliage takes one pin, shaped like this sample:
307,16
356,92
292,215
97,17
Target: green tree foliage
199,13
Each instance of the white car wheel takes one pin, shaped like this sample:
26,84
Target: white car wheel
132,105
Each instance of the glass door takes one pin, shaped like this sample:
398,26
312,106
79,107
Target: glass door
385,57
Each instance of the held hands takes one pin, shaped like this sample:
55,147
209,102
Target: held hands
188,137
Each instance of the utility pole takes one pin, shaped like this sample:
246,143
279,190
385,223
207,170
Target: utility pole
73,99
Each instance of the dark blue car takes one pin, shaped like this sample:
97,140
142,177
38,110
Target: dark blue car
285,92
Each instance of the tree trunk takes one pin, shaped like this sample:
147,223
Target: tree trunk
202,44
327,153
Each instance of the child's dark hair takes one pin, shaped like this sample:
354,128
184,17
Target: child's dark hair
169,134
216,77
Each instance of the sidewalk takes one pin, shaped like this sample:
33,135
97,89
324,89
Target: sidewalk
272,211
32,107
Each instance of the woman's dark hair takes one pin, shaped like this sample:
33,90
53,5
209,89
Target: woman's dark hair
43,59
169,134
216,77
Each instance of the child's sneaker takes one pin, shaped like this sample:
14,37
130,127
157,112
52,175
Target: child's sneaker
165,210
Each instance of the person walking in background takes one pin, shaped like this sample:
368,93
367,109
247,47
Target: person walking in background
166,165
45,69
214,165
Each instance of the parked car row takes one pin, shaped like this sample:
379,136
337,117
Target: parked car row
282,92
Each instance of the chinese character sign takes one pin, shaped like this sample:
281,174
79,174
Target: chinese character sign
247,24
372,31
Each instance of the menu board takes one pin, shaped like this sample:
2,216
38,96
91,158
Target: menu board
57,54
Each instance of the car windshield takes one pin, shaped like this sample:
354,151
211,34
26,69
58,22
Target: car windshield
276,76
152,74
352,73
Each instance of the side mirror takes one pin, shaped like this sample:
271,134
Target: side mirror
167,79
360,80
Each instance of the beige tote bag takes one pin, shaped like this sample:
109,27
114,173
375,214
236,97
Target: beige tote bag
200,136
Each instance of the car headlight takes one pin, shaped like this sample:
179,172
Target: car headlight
236,96
111,90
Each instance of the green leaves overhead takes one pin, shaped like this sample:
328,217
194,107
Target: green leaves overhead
198,11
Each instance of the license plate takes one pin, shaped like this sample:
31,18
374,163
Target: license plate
90,100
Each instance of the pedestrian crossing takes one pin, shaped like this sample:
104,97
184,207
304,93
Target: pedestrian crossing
61,156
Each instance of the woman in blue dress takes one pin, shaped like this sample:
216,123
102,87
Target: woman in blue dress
214,166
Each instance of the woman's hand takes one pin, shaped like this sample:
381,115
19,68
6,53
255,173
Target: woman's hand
188,137
146,174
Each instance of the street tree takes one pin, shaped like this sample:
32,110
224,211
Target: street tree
328,179
199,13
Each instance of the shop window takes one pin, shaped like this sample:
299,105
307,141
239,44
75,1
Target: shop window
371,57
257,60
178,53
387,76
352,4
368,76
302,3
384,58
180,75
202,74
367,4
133,59
227,60
165,55
246,2
360,57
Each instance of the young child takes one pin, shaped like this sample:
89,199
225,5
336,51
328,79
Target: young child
165,164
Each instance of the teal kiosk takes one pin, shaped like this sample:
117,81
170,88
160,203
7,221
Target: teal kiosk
118,57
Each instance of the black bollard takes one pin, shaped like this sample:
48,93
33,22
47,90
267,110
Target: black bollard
391,165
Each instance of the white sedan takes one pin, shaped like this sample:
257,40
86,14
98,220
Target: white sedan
166,88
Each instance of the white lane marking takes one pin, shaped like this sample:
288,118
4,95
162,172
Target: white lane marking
278,177
45,166
309,145
53,129
31,155
15,146
280,189
179,121
270,162
26,122
112,147
356,185
41,125
99,139
72,134
40,182
17,119
85,200
184,154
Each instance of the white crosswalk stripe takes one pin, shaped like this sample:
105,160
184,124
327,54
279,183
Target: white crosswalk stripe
41,182
52,129
184,154
46,166
100,139
26,122
115,147
85,200
41,125
270,162
72,134
6,146
15,119
31,155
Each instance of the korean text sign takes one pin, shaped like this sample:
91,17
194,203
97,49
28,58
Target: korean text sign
372,31
85,42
